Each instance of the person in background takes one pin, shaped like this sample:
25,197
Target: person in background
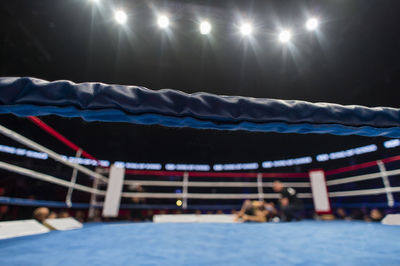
252,211
374,216
357,214
289,203
80,216
4,213
341,214
136,214
52,215
273,214
40,214
149,215
63,214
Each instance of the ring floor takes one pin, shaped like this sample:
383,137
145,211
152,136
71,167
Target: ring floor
298,243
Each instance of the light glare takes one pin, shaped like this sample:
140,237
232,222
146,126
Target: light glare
285,36
120,17
179,203
205,27
246,29
312,24
163,22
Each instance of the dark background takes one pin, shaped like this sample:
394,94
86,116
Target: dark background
352,59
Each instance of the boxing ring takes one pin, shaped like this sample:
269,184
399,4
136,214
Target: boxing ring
147,243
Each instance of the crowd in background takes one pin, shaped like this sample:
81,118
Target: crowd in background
268,211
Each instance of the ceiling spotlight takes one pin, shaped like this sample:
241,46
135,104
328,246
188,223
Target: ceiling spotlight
205,27
120,17
312,24
285,36
163,22
246,29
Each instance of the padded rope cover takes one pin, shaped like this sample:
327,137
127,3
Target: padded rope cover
102,102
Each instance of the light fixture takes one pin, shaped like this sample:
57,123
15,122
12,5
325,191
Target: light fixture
285,36
120,17
205,27
163,21
312,24
246,29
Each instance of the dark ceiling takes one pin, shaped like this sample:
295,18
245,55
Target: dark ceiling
352,59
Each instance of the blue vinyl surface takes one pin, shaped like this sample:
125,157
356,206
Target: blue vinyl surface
299,243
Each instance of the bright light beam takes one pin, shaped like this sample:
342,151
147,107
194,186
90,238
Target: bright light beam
163,22
312,24
285,36
120,17
205,27
246,29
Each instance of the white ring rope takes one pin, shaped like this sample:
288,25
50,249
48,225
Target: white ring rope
361,178
30,173
48,178
363,192
206,195
210,184
23,140
61,182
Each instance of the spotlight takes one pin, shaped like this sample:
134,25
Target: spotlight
246,29
312,24
285,36
94,1
120,17
163,22
178,203
205,27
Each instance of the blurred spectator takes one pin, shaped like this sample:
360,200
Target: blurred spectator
80,216
136,214
40,214
52,215
4,213
341,214
357,214
63,214
198,212
220,212
374,216
149,215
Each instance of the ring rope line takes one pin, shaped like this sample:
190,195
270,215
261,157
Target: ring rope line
207,195
214,174
24,96
210,184
363,192
23,140
51,179
61,138
361,166
79,205
361,177
48,178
